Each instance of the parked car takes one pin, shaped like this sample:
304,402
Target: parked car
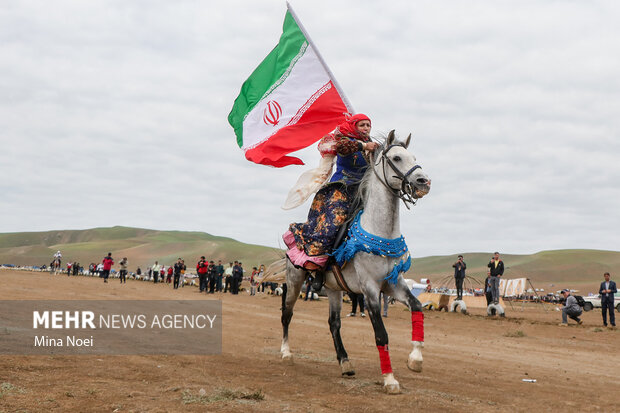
594,301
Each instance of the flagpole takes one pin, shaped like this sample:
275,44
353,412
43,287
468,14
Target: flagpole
346,101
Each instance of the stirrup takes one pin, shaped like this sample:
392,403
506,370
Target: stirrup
319,279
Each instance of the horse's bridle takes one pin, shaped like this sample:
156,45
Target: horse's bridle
406,192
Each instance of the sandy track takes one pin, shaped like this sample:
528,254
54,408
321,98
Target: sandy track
472,363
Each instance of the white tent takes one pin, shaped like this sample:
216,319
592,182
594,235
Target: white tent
512,288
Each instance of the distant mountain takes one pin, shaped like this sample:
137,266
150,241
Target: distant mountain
582,269
141,246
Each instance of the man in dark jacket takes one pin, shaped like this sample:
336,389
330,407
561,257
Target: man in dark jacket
219,270
497,270
607,291
236,278
487,288
212,277
459,275
178,267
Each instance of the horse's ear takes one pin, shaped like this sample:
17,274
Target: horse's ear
390,138
408,141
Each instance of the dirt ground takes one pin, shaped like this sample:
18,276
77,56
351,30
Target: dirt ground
471,362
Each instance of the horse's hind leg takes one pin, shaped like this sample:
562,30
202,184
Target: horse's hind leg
402,293
335,307
294,280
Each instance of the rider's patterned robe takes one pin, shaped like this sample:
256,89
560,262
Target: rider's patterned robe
330,207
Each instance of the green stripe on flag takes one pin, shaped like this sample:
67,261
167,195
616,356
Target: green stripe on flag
266,74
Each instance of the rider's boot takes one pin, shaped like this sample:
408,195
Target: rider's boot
319,279
317,274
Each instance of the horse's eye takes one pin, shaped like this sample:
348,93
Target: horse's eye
396,159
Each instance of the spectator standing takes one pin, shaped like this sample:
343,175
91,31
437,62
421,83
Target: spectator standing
228,277
497,270
571,309
156,268
123,270
607,290
219,270
459,276
386,301
309,281
487,288
107,262
356,299
201,268
69,268
212,272
183,271
253,281
178,269
240,276
237,277
261,272
170,273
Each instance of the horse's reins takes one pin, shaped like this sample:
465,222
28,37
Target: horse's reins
406,191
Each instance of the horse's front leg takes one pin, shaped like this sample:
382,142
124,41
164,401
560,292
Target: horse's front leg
335,307
401,292
373,304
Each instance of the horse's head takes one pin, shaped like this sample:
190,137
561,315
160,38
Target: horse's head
397,168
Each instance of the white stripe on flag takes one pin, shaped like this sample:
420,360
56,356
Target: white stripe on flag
305,80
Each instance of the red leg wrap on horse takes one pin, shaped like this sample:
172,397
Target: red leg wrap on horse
417,326
384,357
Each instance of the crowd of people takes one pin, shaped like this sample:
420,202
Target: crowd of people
573,305
210,277
214,278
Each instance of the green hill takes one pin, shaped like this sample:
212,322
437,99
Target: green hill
141,246
551,270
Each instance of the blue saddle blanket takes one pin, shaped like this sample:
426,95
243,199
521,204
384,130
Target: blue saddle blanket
359,240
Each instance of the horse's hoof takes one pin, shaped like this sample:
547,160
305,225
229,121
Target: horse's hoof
415,365
287,357
347,368
390,384
392,388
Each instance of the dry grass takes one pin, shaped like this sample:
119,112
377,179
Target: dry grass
516,333
221,394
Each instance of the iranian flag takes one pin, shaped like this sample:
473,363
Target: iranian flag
289,102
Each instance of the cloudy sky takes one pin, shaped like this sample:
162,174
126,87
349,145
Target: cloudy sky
115,113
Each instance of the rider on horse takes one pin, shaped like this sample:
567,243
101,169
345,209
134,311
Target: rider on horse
310,243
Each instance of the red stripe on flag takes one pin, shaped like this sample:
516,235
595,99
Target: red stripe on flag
321,118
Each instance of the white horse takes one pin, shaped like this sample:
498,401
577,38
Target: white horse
392,175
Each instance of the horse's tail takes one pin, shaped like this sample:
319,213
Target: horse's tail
276,272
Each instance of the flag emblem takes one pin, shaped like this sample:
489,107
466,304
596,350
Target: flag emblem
271,114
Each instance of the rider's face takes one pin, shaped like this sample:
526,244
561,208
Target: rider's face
363,127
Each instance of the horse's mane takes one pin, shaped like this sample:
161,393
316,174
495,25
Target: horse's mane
359,199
